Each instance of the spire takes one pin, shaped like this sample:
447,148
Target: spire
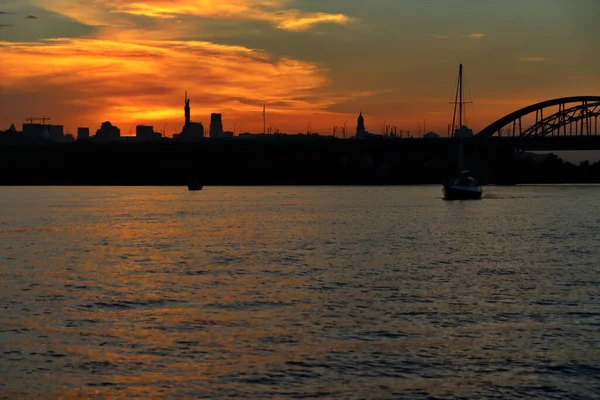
360,128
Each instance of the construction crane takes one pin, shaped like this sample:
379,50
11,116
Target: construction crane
43,119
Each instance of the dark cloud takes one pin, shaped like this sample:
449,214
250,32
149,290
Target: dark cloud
48,24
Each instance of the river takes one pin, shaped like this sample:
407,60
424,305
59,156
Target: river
299,292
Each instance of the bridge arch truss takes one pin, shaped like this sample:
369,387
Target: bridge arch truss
576,116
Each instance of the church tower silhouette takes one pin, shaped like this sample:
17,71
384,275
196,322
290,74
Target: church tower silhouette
360,127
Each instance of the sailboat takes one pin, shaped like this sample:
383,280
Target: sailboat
194,184
462,186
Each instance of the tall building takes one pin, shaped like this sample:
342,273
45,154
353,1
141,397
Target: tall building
144,132
33,131
83,133
360,127
39,131
108,132
56,133
216,126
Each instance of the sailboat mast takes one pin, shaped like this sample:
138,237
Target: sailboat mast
455,104
460,103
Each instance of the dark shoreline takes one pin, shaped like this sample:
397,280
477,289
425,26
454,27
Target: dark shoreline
293,162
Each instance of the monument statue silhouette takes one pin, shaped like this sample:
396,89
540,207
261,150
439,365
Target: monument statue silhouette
191,130
187,110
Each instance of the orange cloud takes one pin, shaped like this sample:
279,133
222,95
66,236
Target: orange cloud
202,8
295,20
476,35
101,12
536,59
86,81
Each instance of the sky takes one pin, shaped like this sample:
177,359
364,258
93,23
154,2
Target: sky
315,63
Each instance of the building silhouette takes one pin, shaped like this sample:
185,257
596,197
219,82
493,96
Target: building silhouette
108,132
83,133
56,133
146,133
431,135
216,126
193,131
463,132
360,127
33,132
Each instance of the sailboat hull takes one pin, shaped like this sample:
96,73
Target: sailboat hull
462,192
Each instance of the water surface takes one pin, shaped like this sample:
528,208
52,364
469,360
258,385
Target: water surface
299,292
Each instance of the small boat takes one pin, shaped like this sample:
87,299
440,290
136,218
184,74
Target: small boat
463,186
194,184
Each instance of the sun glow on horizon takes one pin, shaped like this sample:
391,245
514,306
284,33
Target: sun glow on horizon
315,64
130,82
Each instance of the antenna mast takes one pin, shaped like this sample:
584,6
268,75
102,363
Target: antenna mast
264,118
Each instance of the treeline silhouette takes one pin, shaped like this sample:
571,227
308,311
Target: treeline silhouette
555,170
300,161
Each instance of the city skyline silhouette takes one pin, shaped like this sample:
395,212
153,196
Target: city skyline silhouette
336,199
318,66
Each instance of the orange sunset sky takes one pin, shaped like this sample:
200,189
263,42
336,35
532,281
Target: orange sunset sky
314,62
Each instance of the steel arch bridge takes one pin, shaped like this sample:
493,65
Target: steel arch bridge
580,112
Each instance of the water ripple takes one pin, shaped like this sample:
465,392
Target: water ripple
298,293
